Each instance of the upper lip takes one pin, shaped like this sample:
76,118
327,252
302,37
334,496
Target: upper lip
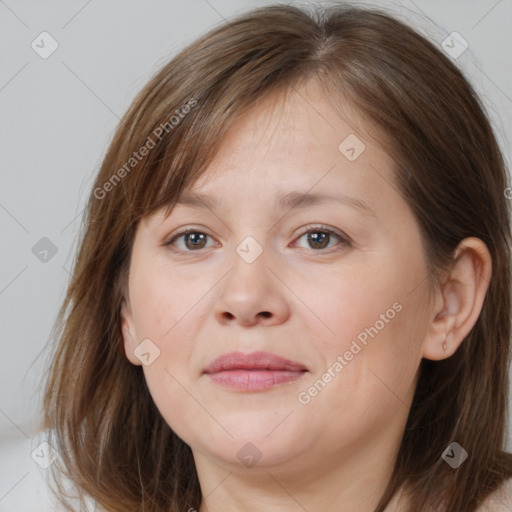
253,361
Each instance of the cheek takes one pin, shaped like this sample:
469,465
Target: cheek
166,315
368,376
377,328
359,306
163,311
159,300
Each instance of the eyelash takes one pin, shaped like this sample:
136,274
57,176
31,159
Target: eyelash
345,241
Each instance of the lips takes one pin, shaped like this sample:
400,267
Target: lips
258,371
253,361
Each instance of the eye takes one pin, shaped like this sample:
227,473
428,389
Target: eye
319,237
192,239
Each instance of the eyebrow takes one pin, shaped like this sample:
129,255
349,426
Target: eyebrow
289,201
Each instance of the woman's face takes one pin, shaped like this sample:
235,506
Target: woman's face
335,282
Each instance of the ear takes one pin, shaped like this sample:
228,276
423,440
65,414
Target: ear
129,334
458,301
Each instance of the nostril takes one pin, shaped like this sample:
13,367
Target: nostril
266,314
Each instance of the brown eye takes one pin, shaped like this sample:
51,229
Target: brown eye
192,240
320,238
196,240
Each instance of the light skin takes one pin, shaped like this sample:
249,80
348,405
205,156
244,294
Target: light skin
301,298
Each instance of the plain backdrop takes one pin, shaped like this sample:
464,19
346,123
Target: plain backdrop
58,116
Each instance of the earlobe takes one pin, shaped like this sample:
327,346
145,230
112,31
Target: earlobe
129,335
459,300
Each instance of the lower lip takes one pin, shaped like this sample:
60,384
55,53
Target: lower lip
254,380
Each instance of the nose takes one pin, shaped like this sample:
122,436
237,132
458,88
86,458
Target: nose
252,294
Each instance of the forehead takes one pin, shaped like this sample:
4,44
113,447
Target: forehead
297,141
291,122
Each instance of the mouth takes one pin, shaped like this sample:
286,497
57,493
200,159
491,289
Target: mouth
257,371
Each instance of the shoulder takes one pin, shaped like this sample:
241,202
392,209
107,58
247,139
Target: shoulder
500,500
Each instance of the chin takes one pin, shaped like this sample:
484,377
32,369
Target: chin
248,456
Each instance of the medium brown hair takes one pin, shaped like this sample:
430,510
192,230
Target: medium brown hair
113,443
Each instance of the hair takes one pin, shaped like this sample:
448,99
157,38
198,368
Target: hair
114,445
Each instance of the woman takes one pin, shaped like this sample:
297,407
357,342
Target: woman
293,286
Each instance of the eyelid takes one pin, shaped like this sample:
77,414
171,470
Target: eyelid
322,227
186,230
345,240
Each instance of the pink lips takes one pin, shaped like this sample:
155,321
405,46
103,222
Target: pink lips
253,372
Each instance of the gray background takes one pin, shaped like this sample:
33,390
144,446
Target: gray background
58,116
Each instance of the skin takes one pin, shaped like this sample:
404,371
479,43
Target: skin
336,452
